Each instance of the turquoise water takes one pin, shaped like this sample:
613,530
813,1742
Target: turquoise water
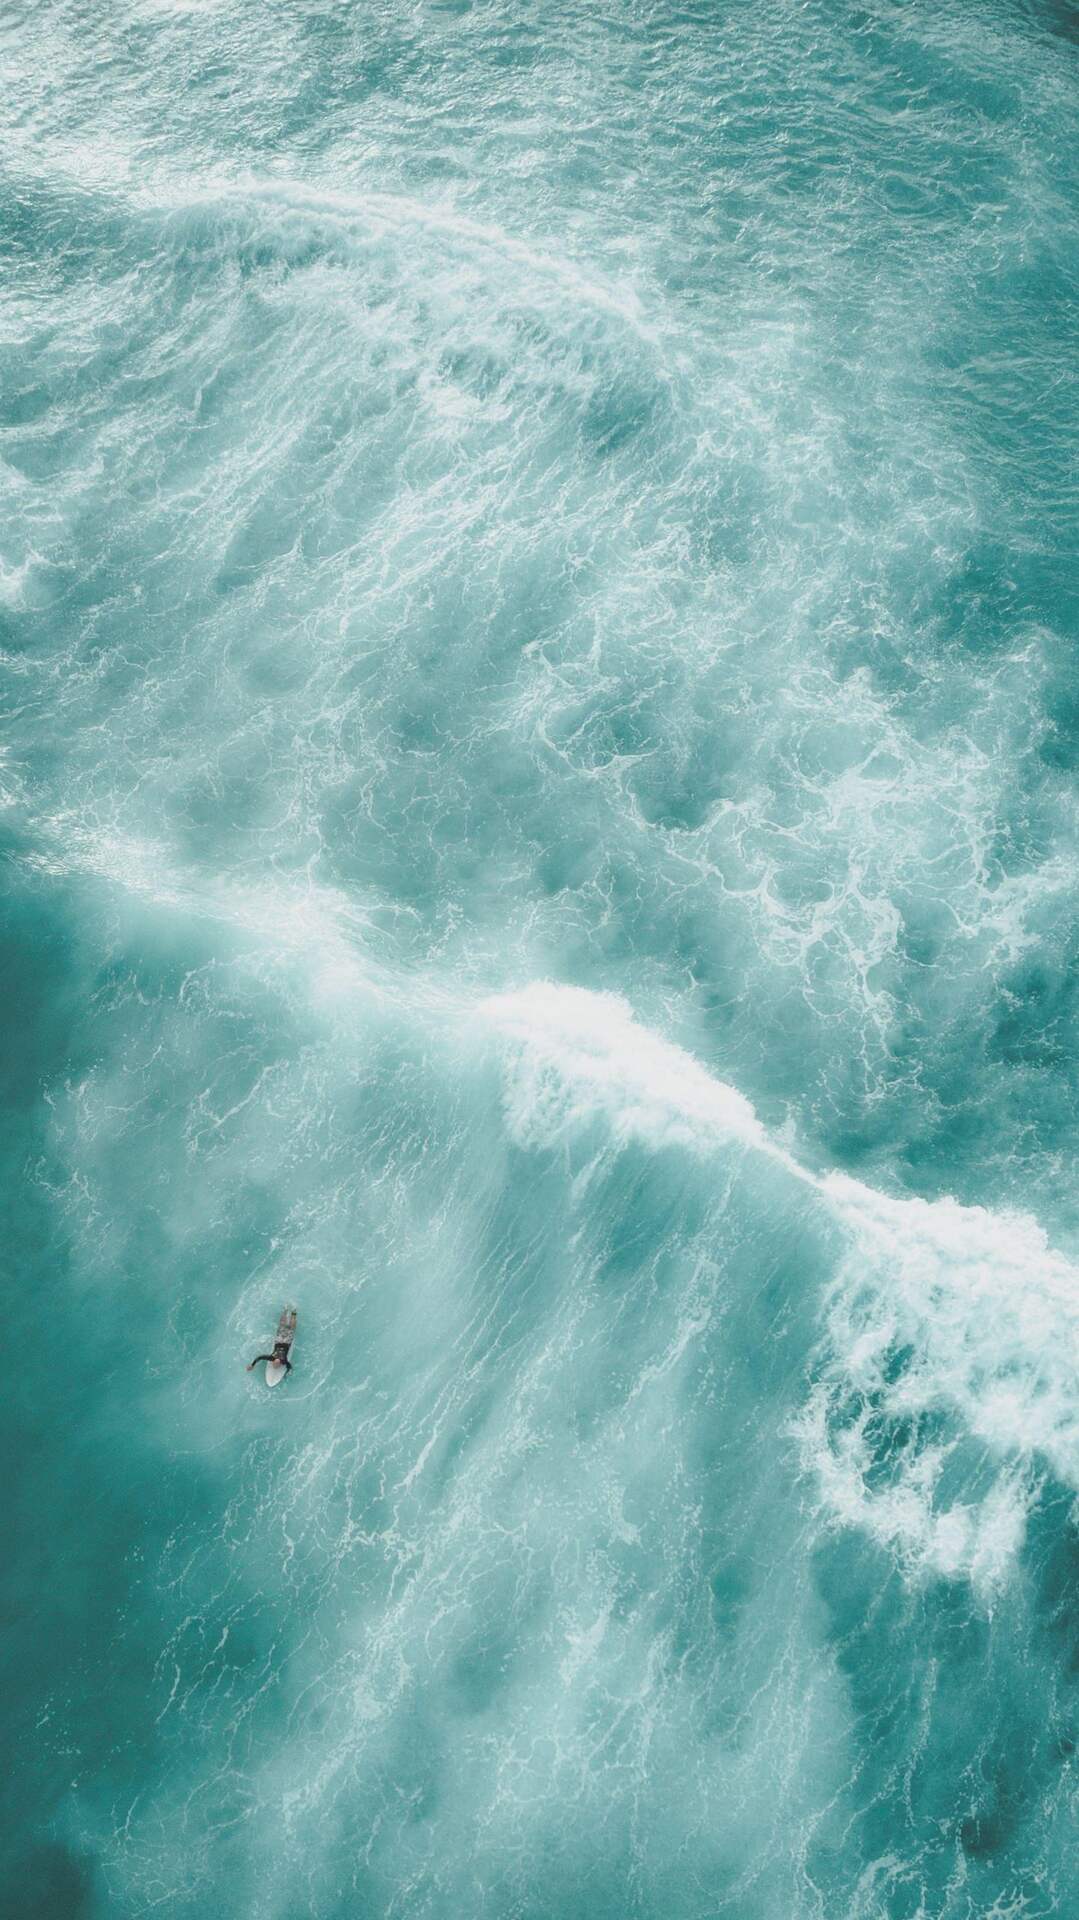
538,589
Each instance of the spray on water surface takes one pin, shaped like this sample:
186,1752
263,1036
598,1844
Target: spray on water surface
538,605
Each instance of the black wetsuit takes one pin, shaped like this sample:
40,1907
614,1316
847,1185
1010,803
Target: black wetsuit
277,1358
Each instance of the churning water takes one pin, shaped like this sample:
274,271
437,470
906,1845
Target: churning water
537,574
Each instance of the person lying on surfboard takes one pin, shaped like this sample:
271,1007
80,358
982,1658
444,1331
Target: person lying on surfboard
278,1358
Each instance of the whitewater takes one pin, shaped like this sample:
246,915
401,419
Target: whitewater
540,719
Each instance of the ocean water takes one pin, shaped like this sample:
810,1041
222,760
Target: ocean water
538,590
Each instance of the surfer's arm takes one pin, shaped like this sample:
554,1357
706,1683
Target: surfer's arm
257,1358
287,1364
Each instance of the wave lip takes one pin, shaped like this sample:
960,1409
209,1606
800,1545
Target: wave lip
576,1054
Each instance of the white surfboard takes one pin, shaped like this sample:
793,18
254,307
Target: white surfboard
285,1335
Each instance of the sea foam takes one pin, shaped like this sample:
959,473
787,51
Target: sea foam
935,1307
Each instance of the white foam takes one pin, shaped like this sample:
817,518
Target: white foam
390,211
936,1309
573,1055
944,1309
978,1539
288,918
14,579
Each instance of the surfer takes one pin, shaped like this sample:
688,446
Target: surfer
278,1364
278,1358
